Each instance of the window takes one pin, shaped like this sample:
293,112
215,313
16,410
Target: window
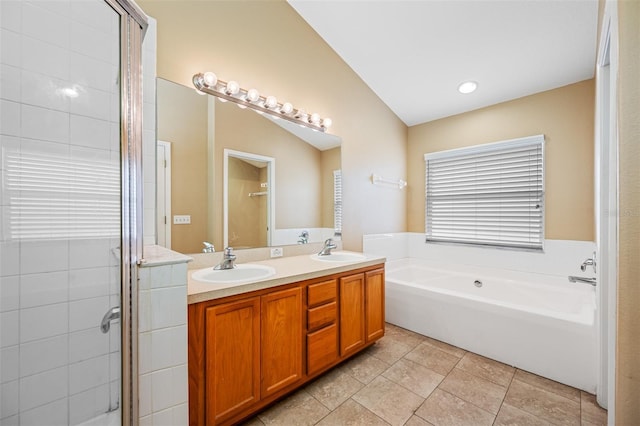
489,194
337,202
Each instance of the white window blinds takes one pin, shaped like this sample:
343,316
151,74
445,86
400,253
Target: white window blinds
337,202
489,194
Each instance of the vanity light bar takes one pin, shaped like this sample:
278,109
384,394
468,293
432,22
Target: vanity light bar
231,91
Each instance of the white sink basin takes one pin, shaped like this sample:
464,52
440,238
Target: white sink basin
241,274
339,257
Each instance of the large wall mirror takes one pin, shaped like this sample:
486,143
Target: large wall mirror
230,176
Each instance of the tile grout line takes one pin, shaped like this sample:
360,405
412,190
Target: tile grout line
505,395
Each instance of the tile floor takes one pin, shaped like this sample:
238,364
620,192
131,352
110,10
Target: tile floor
409,379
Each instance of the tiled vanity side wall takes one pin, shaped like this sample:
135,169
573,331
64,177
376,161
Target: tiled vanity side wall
162,343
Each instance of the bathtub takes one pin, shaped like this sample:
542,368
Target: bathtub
539,323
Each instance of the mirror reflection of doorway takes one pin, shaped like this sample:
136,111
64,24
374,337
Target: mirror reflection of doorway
248,199
163,193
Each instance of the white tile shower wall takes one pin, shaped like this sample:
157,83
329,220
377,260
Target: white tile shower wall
56,367
162,341
560,257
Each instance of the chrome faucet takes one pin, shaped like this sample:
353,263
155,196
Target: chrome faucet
590,261
208,247
303,237
585,280
227,260
327,247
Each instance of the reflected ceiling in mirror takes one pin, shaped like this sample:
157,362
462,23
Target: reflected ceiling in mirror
198,129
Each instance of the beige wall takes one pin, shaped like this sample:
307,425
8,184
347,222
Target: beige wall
330,162
182,120
267,45
247,215
628,327
565,116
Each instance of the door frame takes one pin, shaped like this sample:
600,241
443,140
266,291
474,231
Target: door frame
607,212
271,191
164,177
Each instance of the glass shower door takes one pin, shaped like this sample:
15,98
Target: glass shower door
61,212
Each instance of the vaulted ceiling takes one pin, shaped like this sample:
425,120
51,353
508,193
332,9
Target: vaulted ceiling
414,54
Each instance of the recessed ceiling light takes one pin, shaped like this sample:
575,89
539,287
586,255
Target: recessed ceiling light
467,87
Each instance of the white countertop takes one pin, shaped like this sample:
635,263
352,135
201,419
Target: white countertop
288,270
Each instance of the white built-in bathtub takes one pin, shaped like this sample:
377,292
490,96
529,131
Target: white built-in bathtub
539,323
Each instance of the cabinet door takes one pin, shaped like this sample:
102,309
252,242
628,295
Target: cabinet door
352,328
281,340
232,358
374,303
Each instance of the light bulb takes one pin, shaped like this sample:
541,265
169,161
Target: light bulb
253,95
210,79
271,102
327,122
287,108
314,118
232,87
467,87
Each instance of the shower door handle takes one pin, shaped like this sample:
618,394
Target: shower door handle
112,314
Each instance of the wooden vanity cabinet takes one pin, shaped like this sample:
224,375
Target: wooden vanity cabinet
247,351
361,310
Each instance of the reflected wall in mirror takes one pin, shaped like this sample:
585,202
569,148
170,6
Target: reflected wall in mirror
199,129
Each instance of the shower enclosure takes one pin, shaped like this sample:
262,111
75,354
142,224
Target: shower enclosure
70,137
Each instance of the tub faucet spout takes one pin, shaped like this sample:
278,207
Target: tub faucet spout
584,280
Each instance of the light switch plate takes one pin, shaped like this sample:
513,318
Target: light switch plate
276,252
183,219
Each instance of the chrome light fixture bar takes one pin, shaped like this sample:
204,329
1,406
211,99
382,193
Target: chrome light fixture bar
231,91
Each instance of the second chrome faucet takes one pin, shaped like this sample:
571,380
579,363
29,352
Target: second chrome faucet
228,260
327,247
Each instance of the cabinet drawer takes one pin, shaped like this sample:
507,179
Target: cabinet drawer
320,293
322,348
321,316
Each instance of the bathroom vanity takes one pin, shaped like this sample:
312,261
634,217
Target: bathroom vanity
251,344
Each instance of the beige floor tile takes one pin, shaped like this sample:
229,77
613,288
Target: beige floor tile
453,350
510,416
486,368
417,421
591,411
415,377
364,368
353,414
547,405
300,409
255,421
333,388
478,391
390,349
433,358
548,385
388,400
444,409
405,336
